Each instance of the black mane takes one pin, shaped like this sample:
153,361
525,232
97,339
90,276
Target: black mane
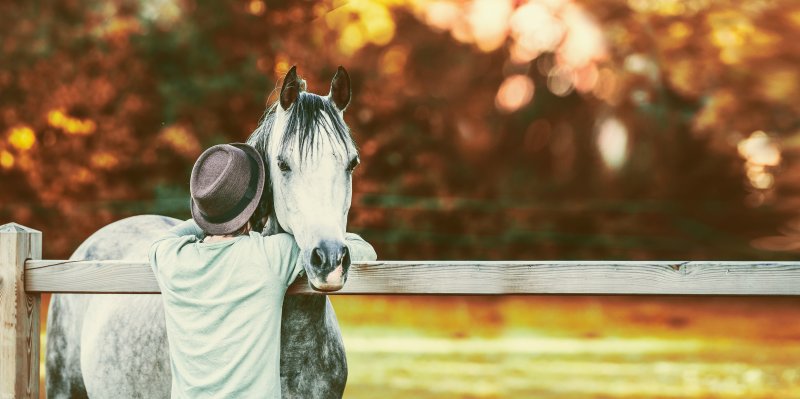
306,117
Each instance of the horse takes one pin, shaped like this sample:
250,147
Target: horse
115,345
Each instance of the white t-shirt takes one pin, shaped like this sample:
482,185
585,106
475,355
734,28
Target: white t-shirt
222,303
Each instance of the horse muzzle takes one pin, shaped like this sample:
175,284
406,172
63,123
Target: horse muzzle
329,263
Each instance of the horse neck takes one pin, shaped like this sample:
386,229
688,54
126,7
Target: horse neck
305,312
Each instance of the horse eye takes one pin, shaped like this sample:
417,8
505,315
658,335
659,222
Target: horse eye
353,164
283,166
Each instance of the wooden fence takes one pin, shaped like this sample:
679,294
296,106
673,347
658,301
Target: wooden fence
24,277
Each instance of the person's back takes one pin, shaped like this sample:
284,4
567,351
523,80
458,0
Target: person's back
222,303
223,294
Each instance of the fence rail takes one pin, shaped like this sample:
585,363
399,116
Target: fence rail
24,277
467,278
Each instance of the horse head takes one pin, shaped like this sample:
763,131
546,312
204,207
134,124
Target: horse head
310,158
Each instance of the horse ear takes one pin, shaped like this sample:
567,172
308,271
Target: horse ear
290,89
340,89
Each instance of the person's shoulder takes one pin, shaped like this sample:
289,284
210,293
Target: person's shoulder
168,244
281,240
280,236
165,252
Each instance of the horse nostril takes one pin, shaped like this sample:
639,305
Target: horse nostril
345,258
317,257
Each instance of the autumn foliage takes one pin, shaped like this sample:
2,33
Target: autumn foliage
488,129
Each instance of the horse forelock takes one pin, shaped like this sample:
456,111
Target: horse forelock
308,121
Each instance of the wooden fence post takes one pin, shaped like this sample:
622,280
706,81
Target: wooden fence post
19,314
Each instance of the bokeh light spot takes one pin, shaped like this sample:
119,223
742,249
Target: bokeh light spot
378,26
489,22
104,160
535,30
361,22
180,139
163,12
352,38
612,142
394,60
256,7
642,64
515,92
22,138
560,81
794,17
663,7
441,15
762,181
759,149
6,160
281,65
81,176
584,42
680,30
760,152
58,118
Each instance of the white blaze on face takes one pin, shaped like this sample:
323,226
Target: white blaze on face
312,199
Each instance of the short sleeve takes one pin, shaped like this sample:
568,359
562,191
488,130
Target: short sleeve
283,256
187,228
151,256
360,250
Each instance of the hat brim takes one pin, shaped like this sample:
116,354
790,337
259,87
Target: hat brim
242,217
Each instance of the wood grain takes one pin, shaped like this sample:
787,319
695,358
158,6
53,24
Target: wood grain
19,314
470,278
95,276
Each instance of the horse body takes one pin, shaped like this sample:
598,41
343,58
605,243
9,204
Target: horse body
105,346
115,346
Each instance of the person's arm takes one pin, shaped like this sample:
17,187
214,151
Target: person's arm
187,228
360,250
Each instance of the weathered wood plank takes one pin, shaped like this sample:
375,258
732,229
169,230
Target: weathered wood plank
92,276
19,314
471,278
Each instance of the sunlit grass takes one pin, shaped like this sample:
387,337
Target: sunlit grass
520,345
570,347
557,367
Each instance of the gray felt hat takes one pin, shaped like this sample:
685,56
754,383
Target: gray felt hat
226,186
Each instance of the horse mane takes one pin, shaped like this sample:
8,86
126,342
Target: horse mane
306,117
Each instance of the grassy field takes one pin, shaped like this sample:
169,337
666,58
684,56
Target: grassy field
602,347
546,367
571,347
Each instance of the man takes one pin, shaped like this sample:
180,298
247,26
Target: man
223,285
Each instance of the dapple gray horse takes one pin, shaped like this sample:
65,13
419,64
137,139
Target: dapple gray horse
115,346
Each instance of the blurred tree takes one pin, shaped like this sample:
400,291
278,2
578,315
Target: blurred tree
488,129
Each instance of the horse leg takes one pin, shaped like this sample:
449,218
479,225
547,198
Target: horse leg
63,377
313,362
